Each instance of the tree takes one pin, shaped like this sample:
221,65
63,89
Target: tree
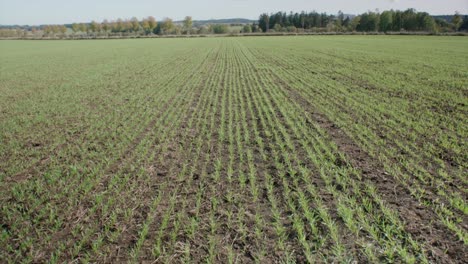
167,26
75,28
63,29
247,29
315,19
256,28
291,29
94,26
302,19
177,29
409,20
369,22
55,29
127,25
105,25
464,25
203,30
276,19
425,22
47,29
83,27
324,19
277,27
386,19
264,22
220,29
135,24
145,25
457,21
188,23
346,22
98,27
354,23
339,21
397,23
152,23
442,24
118,26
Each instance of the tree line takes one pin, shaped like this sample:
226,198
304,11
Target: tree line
119,27
386,21
146,26
392,20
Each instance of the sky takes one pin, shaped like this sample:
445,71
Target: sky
34,12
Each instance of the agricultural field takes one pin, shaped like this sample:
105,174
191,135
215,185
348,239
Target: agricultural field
235,150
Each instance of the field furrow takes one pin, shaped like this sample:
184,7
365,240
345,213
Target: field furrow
323,149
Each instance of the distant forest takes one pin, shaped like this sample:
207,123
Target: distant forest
408,20
305,22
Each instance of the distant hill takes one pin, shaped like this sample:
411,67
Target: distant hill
13,26
448,18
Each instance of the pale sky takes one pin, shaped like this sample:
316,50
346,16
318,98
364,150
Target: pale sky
35,12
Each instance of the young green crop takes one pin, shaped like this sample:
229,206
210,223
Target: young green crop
265,149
